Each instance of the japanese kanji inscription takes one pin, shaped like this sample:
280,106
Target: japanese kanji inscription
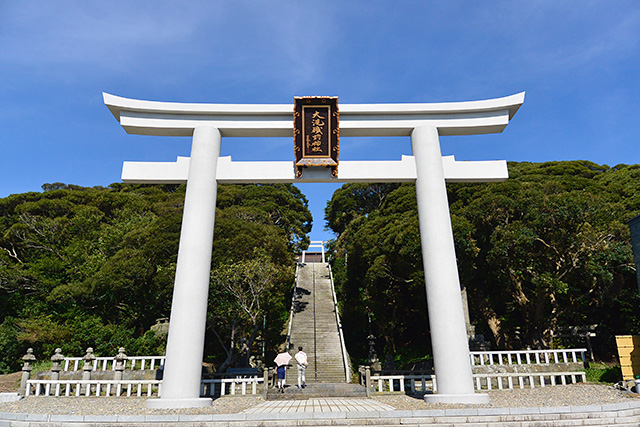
316,133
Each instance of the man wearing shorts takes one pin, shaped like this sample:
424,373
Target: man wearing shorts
302,362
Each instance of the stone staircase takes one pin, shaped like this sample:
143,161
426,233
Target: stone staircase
314,327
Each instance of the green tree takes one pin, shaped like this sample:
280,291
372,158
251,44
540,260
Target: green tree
94,267
549,247
247,287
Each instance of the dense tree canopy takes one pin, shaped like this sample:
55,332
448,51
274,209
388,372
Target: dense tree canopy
549,247
84,267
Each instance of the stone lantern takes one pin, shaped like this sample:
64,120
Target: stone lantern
373,360
120,360
87,368
28,359
56,365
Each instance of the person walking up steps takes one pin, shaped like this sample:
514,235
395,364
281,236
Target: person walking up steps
282,360
302,362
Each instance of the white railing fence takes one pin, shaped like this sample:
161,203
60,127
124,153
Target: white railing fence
527,357
230,386
93,388
427,383
133,363
526,380
406,381
208,388
403,383
380,382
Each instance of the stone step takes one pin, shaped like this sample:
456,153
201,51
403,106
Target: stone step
317,390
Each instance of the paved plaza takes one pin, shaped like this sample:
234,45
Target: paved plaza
320,405
579,404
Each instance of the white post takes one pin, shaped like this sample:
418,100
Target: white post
185,342
444,302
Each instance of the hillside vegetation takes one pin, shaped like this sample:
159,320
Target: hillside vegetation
84,267
549,247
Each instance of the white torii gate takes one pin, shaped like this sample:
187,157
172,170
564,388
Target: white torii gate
208,123
313,244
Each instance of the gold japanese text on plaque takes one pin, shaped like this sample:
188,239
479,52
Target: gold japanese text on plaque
316,132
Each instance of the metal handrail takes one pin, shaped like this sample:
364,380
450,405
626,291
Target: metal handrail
345,356
293,302
315,327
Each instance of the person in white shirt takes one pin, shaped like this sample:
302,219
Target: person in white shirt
302,362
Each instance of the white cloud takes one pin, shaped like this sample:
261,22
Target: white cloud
287,42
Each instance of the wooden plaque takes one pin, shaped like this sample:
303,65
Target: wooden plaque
316,133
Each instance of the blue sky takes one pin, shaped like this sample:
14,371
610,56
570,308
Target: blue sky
577,60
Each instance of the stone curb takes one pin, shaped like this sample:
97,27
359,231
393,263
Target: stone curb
6,418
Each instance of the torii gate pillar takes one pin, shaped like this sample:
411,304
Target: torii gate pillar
446,315
207,123
185,342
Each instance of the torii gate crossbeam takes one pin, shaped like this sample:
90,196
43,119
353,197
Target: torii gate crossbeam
208,123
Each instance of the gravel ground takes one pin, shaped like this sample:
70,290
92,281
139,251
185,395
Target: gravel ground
574,395
121,406
566,395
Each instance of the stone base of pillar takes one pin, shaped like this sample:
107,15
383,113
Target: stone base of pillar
200,402
476,398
